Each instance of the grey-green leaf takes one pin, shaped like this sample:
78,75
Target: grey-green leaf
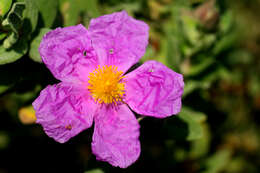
15,16
3,88
11,55
71,10
95,171
193,120
10,40
30,16
198,68
217,162
34,52
191,85
5,5
185,126
2,35
48,11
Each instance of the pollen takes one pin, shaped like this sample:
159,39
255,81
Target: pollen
106,85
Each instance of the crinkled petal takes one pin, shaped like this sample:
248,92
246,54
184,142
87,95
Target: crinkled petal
68,53
154,90
115,138
119,39
64,111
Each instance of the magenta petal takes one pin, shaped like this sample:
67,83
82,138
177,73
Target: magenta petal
68,53
119,39
154,90
115,138
64,111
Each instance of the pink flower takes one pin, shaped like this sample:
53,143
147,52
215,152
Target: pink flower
91,66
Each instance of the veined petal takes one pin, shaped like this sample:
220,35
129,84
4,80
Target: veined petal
64,111
68,53
115,137
119,39
154,90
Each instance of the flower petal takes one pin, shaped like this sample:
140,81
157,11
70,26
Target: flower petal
159,90
119,39
68,53
115,137
64,111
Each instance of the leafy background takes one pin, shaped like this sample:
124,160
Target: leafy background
214,44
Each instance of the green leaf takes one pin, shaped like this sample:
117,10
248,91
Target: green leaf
3,88
30,16
4,140
200,148
226,22
162,54
217,72
193,120
11,55
240,56
225,42
5,5
148,54
94,171
254,85
2,35
5,23
10,40
198,68
190,29
173,53
192,85
91,7
15,16
71,10
48,11
217,162
130,7
34,53
185,126
237,164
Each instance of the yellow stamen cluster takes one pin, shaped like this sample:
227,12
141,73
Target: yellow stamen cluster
106,85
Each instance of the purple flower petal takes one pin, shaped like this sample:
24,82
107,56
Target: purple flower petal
68,53
115,137
64,111
119,39
154,90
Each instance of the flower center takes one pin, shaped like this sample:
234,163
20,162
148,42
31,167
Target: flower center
106,84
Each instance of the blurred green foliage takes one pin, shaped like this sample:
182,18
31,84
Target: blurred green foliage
214,44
